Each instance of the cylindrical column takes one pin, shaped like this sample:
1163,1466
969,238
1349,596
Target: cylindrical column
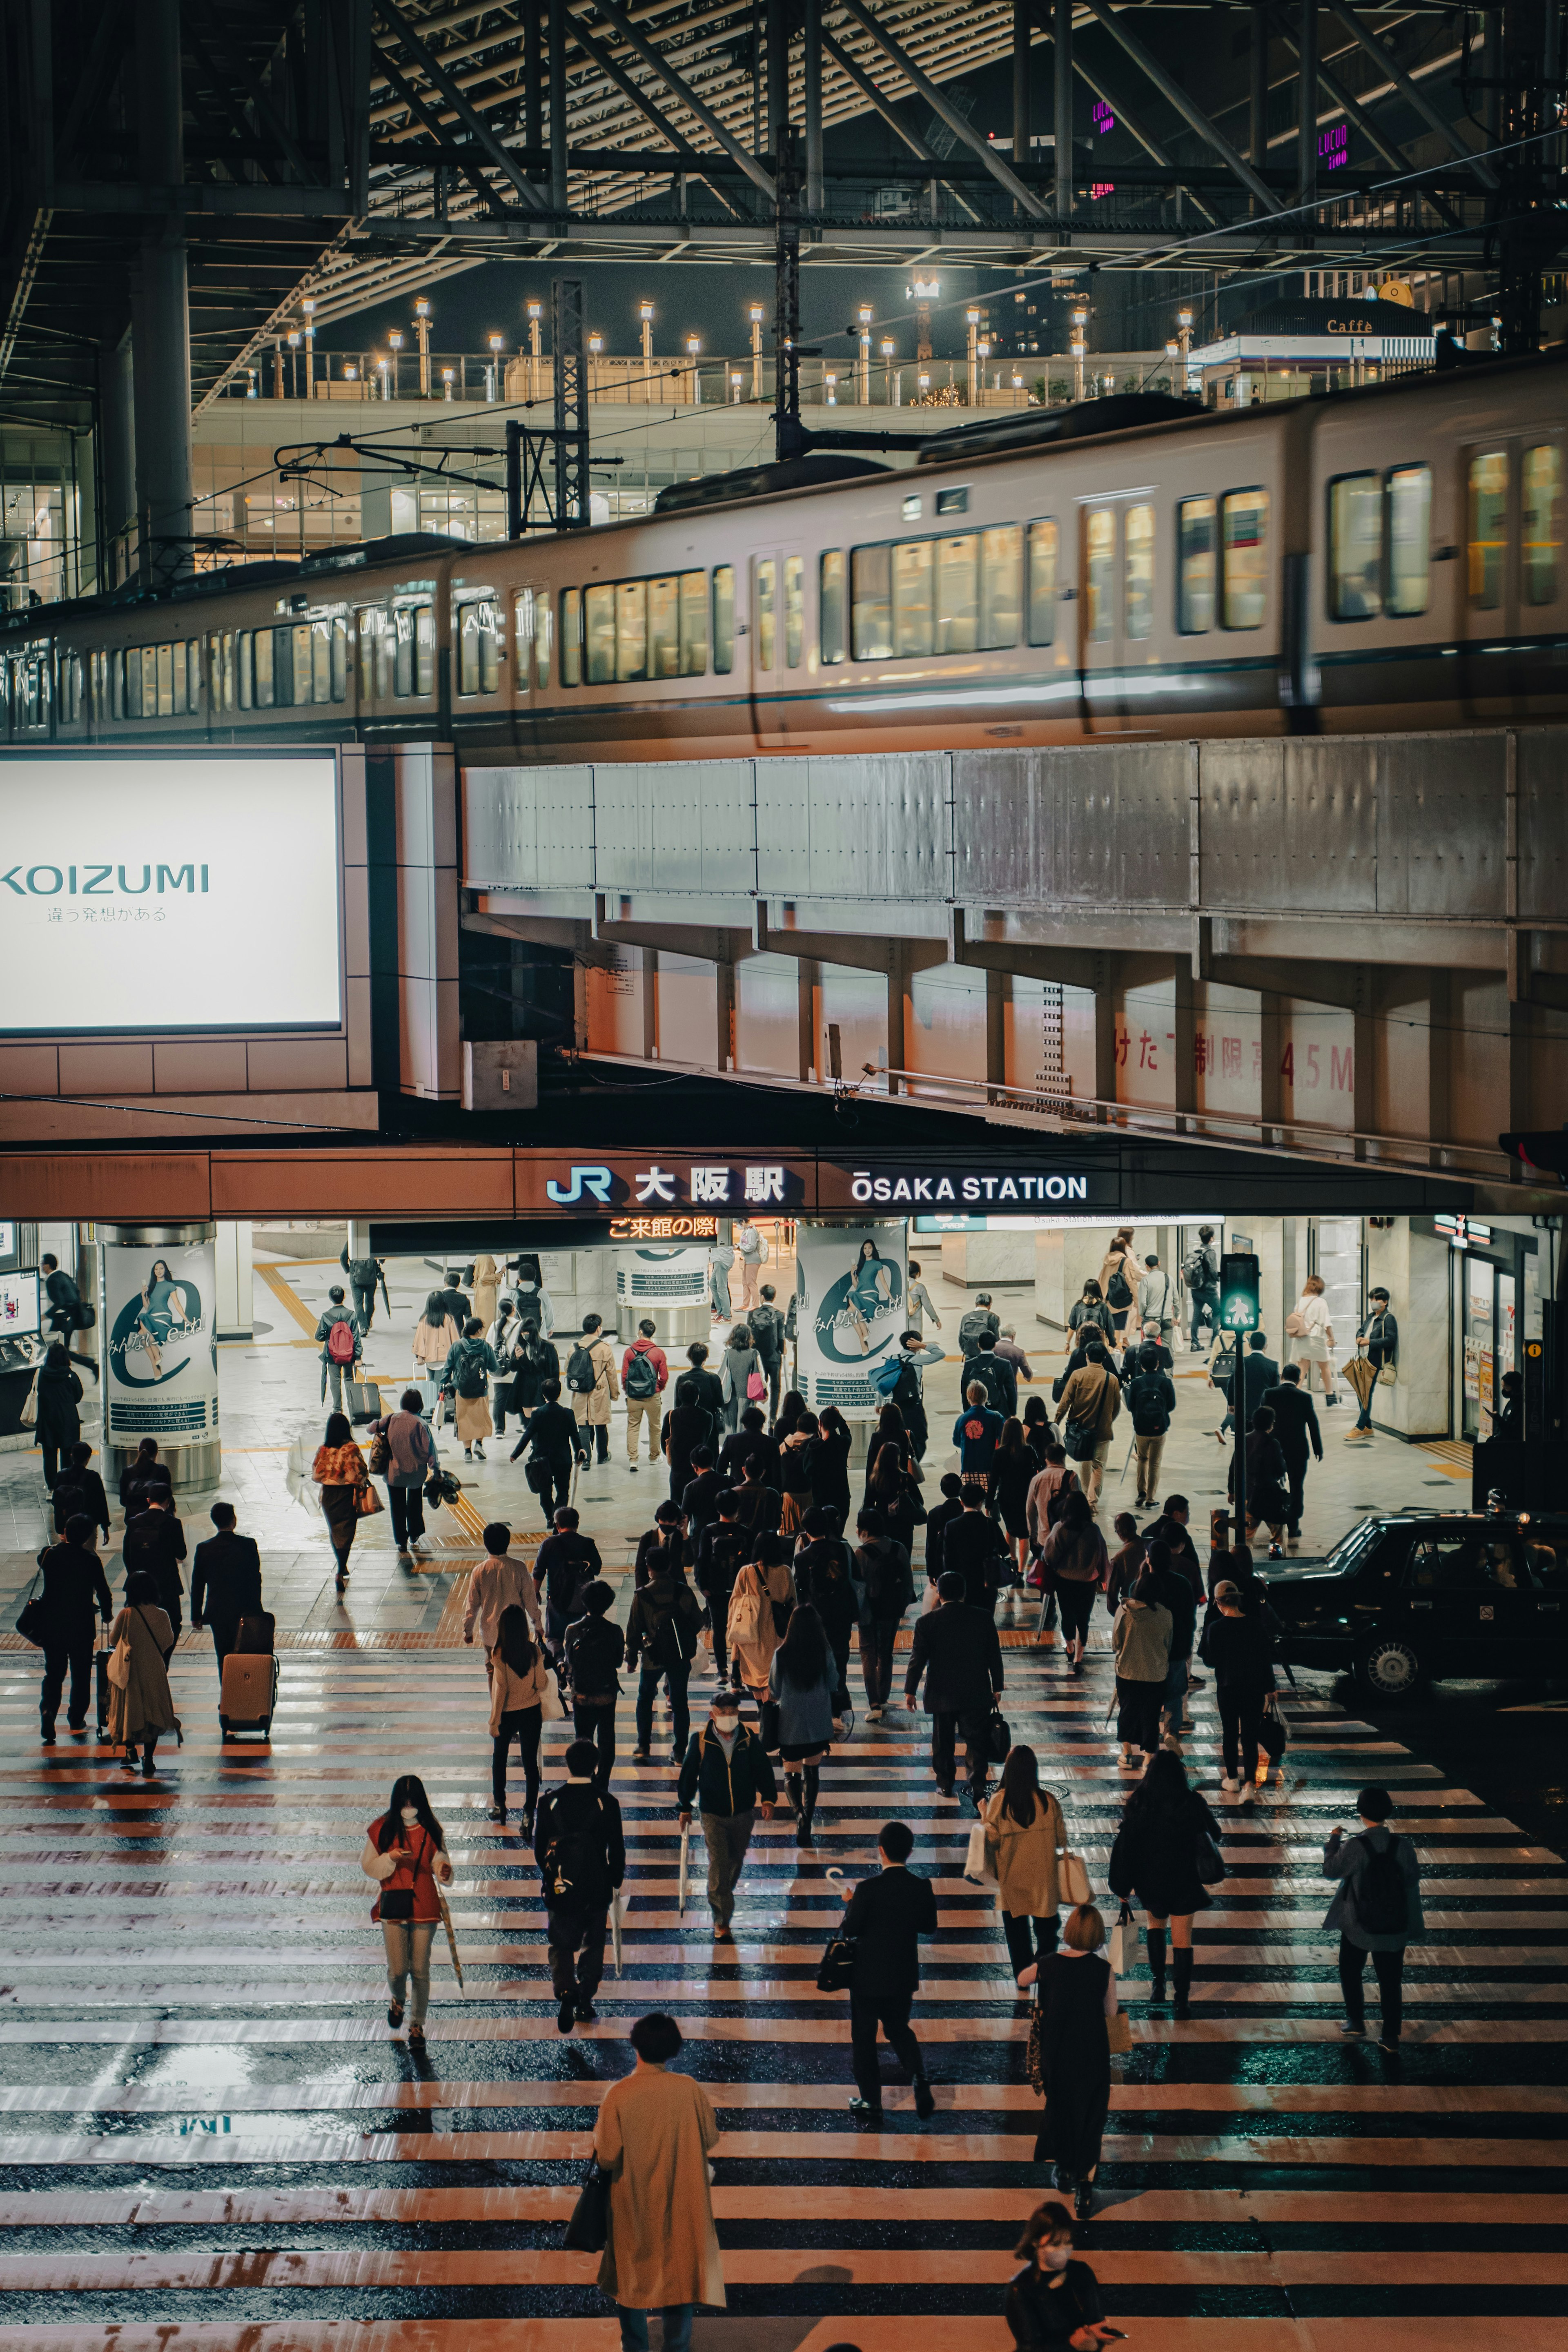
1062,34
157,1323
160,318
1021,23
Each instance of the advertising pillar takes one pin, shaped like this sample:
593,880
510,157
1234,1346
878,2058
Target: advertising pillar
669,1286
850,1282
158,1321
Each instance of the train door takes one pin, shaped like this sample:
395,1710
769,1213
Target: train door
778,641
1488,587
534,656
1116,604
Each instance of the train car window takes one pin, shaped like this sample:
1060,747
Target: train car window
1409,537
914,614
1042,582
793,610
367,629
830,612
1138,571
261,647
631,630
164,683
693,625
871,602
193,675
958,594
723,619
599,635
321,661
424,649
1100,575
767,613
478,647
570,636
1489,526
1244,543
339,661
1355,548
302,666
244,667
402,658
1194,566
543,634
664,628
220,672
1001,586
1541,505
181,679
148,706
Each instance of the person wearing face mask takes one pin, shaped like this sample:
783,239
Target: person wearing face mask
1054,2300
405,1854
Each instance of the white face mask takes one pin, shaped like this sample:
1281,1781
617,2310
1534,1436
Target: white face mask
1052,2257
409,1815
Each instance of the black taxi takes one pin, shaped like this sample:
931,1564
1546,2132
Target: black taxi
1417,1594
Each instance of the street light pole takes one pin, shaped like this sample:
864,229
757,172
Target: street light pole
972,320
863,384
422,327
756,314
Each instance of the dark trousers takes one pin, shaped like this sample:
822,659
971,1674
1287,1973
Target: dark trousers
406,1505
1296,1475
556,1488
575,1941
364,1305
51,1452
841,1660
652,1677
891,2013
335,1379
1389,1969
1028,1939
944,1728
1240,1714
1196,1301
597,1724
719,1611
523,1725
225,1633
1138,1709
75,1654
877,1660
919,1433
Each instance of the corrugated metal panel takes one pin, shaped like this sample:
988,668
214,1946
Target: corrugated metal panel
1102,825
1441,819
854,828
1543,775
1290,826
680,826
528,828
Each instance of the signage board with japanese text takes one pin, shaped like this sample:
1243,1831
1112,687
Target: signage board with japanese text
680,1187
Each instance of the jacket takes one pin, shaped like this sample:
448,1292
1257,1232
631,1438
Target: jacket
743,1445
1075,1556
804,1714
663,1622
655,1356
1093,1395
468,1367
710,1783
887,1587
1046,1488
226,1578
338,1315
686,1427
1044,2317
512,1694
411,1444
1011,1353
822,1577
531,1367
1240,1650
1259,1373
59,1393
64,1298
939,1518
1025,1859
1140,1639
1295,1421
1000,1379
579,1812
976,1433
427,1862
156,1541
957,1649
595,1650
564,1564
80,1491
74,1583
1345,1859
766,1325
434,1344
553,1432
887,1916
496,1584
700,1504
1380,1331
976,1548
1150,1400
1173,1594
700,1386
721,1550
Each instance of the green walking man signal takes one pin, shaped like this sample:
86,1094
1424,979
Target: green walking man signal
1238,1281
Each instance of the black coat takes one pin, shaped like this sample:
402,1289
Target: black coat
1295,1422
998,1377
1259,1374
74,1583
956,1648
155,1541
828,1467
662,1623
226,1578
552,1433
531,1367
686,1427
887,1916
1155,1857
59,1393
746,1446
595,1650
579,1814
700,1386
564,1565
973,1548
941,1517
1240,1650
81,1491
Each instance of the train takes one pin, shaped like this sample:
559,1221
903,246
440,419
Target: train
1388,557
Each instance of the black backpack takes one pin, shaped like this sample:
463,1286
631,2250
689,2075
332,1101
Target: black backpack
471,1380
1151,1413
1118,1292
906,1390
973,1332
581,1377
1382,1903
640,1378
576,1874
362,1273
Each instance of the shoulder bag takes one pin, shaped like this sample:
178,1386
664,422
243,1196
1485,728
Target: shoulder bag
550,1708
976,1855
588,2230
29,1416
31,1619
1207,1859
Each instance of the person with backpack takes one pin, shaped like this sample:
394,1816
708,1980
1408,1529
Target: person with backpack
760,1603
580,1847
906,1388
593,1384
719,1552
535,1304
1087,1314
1377,1910
505,1338
726,1776
520,1684
956,1650
79,1491
1075,1561
1200,1274
741,1380
340,1348
468,1375
644,1369
881,1570
1150,1400
767,1328
977,1327
1238,1646
661,1638
595,1650
1166,1827
752,1251
996,1376
550,1441
567,1563
364,1274
1119,1278
1090,1402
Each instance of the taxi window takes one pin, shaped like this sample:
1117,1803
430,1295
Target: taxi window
1447,1563
1545,1560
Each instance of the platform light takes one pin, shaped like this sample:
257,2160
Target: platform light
448,378
735,382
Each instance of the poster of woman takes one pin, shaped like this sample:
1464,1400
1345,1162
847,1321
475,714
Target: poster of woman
162,1345
849,1310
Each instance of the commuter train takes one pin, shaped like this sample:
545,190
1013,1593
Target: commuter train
1137,568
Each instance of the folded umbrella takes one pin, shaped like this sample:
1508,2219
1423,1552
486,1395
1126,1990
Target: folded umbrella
1361,1376
685,1866
451,1939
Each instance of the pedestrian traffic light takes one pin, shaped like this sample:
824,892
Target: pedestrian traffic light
1238,1283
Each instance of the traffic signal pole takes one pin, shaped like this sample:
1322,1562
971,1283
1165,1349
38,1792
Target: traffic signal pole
1239,1277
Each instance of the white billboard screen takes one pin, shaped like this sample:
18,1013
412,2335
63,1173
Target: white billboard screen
170,894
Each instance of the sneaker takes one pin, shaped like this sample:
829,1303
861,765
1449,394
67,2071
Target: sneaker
1228,1786
869,2107
479,1451
497,1813
873,1715
925,2098
633,1468
1353,2032
566,2016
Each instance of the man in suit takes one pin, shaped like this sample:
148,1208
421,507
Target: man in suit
225,1582
1296,1427
154,1541
958,1646
689,1429
974,1549
887,1916
550,1437
73,1585
941,1517
1259,1373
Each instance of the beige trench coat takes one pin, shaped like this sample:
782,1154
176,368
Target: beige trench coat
655,2134
596,1409
145,1704
486,1289
1025,1860
755,1658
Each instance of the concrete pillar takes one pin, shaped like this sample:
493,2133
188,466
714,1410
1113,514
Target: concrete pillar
160,310
430,1056
119,460
236,1305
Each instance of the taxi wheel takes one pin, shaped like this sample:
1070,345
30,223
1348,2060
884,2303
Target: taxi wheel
1390,1668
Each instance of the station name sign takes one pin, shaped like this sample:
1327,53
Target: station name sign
991,1190
684,1193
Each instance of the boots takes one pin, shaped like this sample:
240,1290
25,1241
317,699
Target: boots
793,1790
1181,1961
1155,1939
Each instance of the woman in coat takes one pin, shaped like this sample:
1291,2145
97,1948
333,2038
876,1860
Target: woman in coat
752,1630
435,1336
1013,1473
339,1470
142,1708
404,1852
411,1456
519,1686
58,1424
1054,2301
794,1473
655,2136
467,1371
829,1461
485,1289
741,1360
1074,1558
1155,1858
1268,1480
1237,1646
1023,1831
803,1680
1140,1639
535,1360
894,1490
1076,1994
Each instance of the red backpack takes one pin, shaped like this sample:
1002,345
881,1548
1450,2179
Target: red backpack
340,1341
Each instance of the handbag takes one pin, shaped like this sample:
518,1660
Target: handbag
380,1459
757,1388
29,1416
32,1618
119,1667
1207,1859
588,2230
1273,1732
975,1854
550,1708
367,1501
1116,1948
1119,2033
396,1902
1072,1877
999,1738
836,1973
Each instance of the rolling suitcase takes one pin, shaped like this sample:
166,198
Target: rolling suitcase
250,1693
101,1690
364,1401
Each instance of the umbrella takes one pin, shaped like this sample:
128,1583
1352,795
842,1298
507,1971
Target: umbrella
617,1921
451,1939
1361,1376
685,1864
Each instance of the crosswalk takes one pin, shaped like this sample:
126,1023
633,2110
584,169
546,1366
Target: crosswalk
209,2132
